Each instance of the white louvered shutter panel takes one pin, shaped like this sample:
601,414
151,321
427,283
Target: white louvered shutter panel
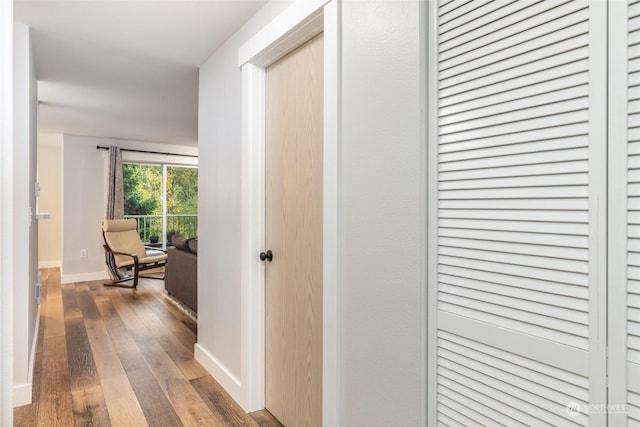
624,278
521,196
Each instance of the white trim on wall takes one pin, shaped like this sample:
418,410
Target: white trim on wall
253,239
226,379
332,249
432,214
6,212
50,264
296,25
424,207
23,393
84,277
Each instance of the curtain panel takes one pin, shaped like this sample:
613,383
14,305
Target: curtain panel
115,192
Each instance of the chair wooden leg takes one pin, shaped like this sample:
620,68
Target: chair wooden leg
137,269
136,275
111,265
118,283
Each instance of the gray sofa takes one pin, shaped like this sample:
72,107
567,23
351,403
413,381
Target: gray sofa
181,272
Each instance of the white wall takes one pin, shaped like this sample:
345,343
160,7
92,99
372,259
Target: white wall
25,226
382,358
382,347
219,201
50,199
83,210
84,196
6,213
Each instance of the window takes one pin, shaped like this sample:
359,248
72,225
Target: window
163,199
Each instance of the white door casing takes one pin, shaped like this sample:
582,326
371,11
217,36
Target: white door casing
299,23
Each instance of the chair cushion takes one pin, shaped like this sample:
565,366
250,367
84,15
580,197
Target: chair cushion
113,225
121,237
152,255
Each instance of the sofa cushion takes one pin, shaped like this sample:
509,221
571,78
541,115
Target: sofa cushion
179,242
193,245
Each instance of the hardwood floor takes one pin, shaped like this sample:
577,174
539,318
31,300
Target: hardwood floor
120,357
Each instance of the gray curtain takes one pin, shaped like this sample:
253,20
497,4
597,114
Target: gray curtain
115,192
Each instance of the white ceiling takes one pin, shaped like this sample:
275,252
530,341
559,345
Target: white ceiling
126,69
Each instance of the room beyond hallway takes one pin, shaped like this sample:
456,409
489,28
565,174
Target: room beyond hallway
121,357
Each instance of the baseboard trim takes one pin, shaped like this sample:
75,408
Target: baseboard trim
23,393
50,264
84,277
229,382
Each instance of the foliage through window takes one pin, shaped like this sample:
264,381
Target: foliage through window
142,189
143,185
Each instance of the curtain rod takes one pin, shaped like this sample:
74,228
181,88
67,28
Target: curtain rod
99,147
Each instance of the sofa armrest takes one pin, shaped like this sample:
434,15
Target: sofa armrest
181,277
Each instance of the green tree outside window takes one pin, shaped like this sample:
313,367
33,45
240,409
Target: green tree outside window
143,196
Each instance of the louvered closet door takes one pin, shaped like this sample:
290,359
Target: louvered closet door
624,182
518,217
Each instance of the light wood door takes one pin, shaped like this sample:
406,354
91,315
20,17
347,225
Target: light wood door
294,121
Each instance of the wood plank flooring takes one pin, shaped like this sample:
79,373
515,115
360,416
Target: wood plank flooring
120,357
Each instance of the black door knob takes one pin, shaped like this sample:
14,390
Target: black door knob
266,256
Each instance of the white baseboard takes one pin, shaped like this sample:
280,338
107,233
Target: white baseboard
221,374
50,264
23,393
84,277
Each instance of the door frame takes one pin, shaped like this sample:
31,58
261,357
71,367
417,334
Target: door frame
6,213
621,374
299,23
